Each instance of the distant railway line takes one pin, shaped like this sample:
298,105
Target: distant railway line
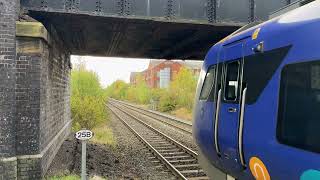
182,125
165,151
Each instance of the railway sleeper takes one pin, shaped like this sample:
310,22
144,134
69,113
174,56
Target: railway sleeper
193,173
187,166
160,166
155,161
162,146
152,158
148,135
165,147
165,143
199,178
186,156
168,150
154,137
156,140
172,153
183,161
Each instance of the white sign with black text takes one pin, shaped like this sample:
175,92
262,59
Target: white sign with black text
84,135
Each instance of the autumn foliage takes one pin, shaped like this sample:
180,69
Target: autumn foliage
87,99
180,93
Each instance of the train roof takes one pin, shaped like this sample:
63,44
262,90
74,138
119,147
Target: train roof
298,17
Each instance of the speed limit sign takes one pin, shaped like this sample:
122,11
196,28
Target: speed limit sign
84,135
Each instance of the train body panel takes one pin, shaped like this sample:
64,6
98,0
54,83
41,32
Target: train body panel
263,122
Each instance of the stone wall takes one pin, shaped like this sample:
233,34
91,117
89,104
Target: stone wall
34,97
7,88
42,97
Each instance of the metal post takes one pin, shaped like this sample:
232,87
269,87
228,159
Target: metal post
84,135
83,160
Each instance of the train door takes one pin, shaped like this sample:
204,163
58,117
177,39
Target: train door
229,107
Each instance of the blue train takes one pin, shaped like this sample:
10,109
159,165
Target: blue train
257,113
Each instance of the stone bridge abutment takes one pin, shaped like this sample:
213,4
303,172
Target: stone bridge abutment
34,95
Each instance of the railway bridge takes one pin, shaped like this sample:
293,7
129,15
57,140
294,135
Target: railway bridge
37,38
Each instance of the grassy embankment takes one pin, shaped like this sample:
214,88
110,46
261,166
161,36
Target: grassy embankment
88,110
70,177
88,105
73,177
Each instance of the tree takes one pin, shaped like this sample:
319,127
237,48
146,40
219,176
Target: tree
139,93
118,90
183,88
87,99
142,91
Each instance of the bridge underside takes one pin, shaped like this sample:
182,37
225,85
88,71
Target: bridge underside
132,37
170,29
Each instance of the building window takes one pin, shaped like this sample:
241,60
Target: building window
299,106
208,84
232,83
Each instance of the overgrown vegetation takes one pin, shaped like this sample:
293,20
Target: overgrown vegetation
87,99
68,177
103,135
73,177
178,97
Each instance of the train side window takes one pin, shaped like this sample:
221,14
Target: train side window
298,116
208,83
232,83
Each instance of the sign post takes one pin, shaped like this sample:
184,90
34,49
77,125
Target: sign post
84,136
84,160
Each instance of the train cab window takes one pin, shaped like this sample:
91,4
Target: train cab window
232,83
299,115
208,83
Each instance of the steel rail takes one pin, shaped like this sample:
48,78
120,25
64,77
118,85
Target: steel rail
186,149
155,152
132,107
157,113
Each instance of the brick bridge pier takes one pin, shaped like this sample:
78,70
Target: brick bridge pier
34,95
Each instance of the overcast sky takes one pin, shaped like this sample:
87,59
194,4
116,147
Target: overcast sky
111,69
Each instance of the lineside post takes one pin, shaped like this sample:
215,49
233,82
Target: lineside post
84,136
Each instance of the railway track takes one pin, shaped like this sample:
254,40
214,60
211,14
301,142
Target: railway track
167,152
183,126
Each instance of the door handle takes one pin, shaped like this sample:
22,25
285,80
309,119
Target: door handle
232,110
240,133
216,123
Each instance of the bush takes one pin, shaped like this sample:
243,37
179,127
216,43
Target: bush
87,112
166,103
180,94
139,93
118,90
87,99
67,177
183,88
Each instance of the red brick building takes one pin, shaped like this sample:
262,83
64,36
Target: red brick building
167,70
133,77
161,72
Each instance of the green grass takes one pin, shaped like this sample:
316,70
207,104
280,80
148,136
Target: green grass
103,135
69,177
73,177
